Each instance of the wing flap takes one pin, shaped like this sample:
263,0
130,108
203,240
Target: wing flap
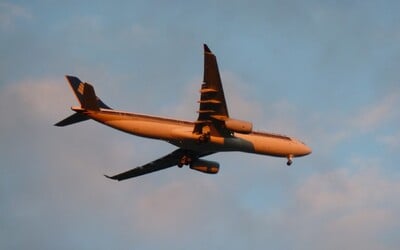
210,101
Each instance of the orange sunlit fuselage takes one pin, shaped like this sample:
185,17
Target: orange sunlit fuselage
180,133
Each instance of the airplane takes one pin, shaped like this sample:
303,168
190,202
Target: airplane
214,130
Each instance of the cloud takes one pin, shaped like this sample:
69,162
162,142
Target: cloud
377,120
52,191
348,209
31,100
347,202
238,96
57,174
392,141
138,35
10,13
340,190
47,183
173,206
54,195
377,114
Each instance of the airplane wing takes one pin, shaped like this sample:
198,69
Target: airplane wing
213,110
164,162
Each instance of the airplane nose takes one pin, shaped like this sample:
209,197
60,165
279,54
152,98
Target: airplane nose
307,150
303,149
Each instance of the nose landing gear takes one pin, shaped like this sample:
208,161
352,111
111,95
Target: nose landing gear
290,160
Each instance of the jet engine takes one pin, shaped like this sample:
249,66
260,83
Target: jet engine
208,167
239,126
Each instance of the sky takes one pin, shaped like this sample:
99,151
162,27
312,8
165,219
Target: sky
325,72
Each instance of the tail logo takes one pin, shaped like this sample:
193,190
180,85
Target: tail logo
80,88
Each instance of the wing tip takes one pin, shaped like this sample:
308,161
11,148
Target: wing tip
111,177
206,48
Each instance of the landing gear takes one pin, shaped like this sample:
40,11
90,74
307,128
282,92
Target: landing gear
184,160
205,134
290,160
204,138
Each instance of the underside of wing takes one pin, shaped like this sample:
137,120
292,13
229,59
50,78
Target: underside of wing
170,160
213,110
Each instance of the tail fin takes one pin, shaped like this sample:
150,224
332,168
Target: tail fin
86,96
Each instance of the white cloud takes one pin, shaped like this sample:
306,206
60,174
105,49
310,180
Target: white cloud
187,106
340,190
63,180
10,12
39,99
332,129
378,113
171,207
351,205
53,194
138,34
240,103
392,141
348,209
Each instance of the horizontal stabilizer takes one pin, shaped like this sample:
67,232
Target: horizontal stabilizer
77,117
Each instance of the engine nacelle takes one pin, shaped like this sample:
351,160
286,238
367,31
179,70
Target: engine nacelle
239,126
208,167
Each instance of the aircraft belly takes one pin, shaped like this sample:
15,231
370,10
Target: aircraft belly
188,140
271,146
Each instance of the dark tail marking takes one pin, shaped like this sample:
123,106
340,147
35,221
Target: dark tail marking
85,94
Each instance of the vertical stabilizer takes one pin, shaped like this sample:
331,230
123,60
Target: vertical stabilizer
85,94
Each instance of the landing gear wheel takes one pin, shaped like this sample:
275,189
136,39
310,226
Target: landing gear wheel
185,160
204,138
290,161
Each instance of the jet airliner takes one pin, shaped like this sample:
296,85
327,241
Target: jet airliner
213,131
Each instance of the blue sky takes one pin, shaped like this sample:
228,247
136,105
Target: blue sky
325,72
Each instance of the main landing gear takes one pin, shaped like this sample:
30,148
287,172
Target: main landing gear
289,160
184,160
205,134
204,138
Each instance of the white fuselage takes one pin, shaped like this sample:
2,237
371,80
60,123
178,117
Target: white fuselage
180,133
